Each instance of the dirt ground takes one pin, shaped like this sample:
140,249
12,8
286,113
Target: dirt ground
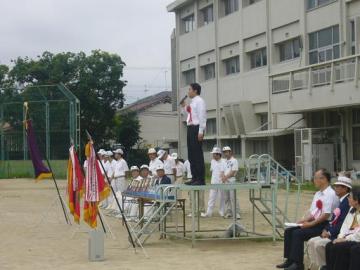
29,242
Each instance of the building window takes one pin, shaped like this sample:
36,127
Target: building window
210,126
352,37
317,3
189,77
230,6
206,15
235,145
324,45
356,134
289,49
232,65
208,71
258,58
189,23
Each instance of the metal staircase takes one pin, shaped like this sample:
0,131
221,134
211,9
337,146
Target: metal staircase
164,203
267,171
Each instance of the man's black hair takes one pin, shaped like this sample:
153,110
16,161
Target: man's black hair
196,87
355,192
326,174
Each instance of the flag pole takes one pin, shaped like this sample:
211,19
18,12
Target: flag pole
58,193
113,192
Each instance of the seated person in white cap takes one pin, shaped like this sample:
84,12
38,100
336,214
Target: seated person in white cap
316,245
154,161
169,164
162,178
120,169
231,169
217,169
145,175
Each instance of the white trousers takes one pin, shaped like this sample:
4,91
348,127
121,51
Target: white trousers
213,196
230,203
316,249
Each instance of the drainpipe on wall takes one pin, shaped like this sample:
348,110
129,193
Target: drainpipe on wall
217,68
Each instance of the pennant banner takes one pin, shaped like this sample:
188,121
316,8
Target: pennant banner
96,189
75,184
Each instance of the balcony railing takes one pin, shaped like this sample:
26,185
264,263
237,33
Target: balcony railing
328,73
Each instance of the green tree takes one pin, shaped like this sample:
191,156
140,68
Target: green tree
127,129
95,79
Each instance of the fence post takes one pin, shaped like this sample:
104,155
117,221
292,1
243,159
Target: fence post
2,122
47,129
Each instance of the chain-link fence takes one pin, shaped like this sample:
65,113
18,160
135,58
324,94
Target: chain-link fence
55,114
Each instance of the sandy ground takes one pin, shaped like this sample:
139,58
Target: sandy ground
27,244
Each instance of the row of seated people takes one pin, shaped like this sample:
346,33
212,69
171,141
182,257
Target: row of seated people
331,227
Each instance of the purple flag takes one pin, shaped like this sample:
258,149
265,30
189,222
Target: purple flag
41,171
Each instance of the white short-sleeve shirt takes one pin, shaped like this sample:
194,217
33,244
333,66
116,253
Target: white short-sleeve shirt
180,169
231,165
217,168
153,165
121,167
329,202
169,165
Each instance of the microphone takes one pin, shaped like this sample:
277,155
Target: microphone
183,99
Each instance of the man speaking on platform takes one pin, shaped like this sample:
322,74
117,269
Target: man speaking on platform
196,123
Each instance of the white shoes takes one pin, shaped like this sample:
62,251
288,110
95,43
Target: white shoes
205,215
238,216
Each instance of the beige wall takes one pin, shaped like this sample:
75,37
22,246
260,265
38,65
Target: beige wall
155,129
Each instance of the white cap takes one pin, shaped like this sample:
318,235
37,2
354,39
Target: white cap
119,151
216,150
101,152
344,181
174,155
226,148
134,168
108,153
144,166
161,153
151,151
160,167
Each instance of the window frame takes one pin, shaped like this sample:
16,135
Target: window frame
205,13
292,44
188,25
204,67
263,52
317,5
228,5
185,74
319,50
227,61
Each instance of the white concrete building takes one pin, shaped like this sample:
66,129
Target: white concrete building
278,77
157,120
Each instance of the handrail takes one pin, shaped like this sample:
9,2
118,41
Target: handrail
327,63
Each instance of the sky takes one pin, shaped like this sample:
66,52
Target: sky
138,30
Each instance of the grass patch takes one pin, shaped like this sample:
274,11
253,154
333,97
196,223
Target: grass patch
24,169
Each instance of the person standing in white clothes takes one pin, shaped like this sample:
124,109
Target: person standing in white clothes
120,169
180,169
187,170
217,169
154,161
169,164
231,169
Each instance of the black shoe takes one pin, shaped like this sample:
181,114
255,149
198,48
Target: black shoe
323,267
189,182
285,264
198,183
295,266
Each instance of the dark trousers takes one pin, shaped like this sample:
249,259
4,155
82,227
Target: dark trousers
294,241
343,256
195,154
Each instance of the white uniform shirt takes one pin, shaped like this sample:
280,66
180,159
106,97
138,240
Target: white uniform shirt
329,202
180,169
108,168
196,115
217,168
187,169
169,165
120,169
153,165
231,165
345,227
